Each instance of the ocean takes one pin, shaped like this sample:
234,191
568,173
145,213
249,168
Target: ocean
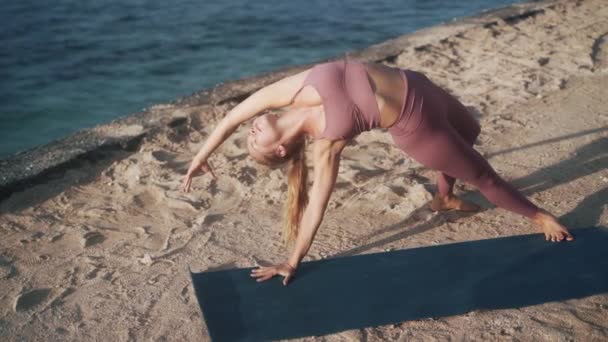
68,64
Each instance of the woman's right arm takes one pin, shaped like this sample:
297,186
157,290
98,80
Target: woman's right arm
326,158
276,95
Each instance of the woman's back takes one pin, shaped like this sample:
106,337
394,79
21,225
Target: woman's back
373,90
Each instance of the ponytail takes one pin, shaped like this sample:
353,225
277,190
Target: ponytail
297,193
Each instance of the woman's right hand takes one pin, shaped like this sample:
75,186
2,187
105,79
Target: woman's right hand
197,167
265,273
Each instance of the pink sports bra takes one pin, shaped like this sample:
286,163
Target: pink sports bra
348,98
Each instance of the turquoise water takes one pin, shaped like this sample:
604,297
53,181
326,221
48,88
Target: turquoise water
69,64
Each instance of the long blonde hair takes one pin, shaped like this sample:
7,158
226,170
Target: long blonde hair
297,187
297,193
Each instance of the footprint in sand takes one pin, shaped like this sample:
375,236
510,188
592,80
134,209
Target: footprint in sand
161,156
30,299
55,237
7,269
33,238
143,232
212,218
247,175
169,160
398,190
179,128
185,294
362,174
94,271
92,238
32,259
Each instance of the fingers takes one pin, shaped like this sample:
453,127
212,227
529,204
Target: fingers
263,273
287,279
189,184
186,184
193,172
264,278
207,168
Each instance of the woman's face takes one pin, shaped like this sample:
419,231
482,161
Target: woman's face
263,137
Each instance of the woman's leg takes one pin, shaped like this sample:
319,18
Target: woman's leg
446,151
424,132
468,128
427,131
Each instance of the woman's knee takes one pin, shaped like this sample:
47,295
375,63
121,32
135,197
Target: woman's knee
485,177
468,128
489,179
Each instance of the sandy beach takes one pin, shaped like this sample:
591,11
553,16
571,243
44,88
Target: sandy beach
100,248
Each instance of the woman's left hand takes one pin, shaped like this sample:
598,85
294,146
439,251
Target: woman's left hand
197,167
265,273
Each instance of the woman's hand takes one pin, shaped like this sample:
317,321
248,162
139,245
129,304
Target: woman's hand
265,273
197,167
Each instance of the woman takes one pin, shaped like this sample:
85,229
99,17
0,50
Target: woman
335,101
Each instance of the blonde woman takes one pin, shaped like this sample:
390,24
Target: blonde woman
335,101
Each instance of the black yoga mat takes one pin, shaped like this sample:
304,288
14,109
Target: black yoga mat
360,291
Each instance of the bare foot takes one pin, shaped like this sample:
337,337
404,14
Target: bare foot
451,202
552,229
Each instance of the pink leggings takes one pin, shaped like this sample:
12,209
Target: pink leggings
436,130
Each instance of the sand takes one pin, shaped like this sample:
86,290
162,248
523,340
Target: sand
101,251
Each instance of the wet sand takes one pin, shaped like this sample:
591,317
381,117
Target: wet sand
99,248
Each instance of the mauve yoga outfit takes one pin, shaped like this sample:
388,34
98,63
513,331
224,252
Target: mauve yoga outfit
433,127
